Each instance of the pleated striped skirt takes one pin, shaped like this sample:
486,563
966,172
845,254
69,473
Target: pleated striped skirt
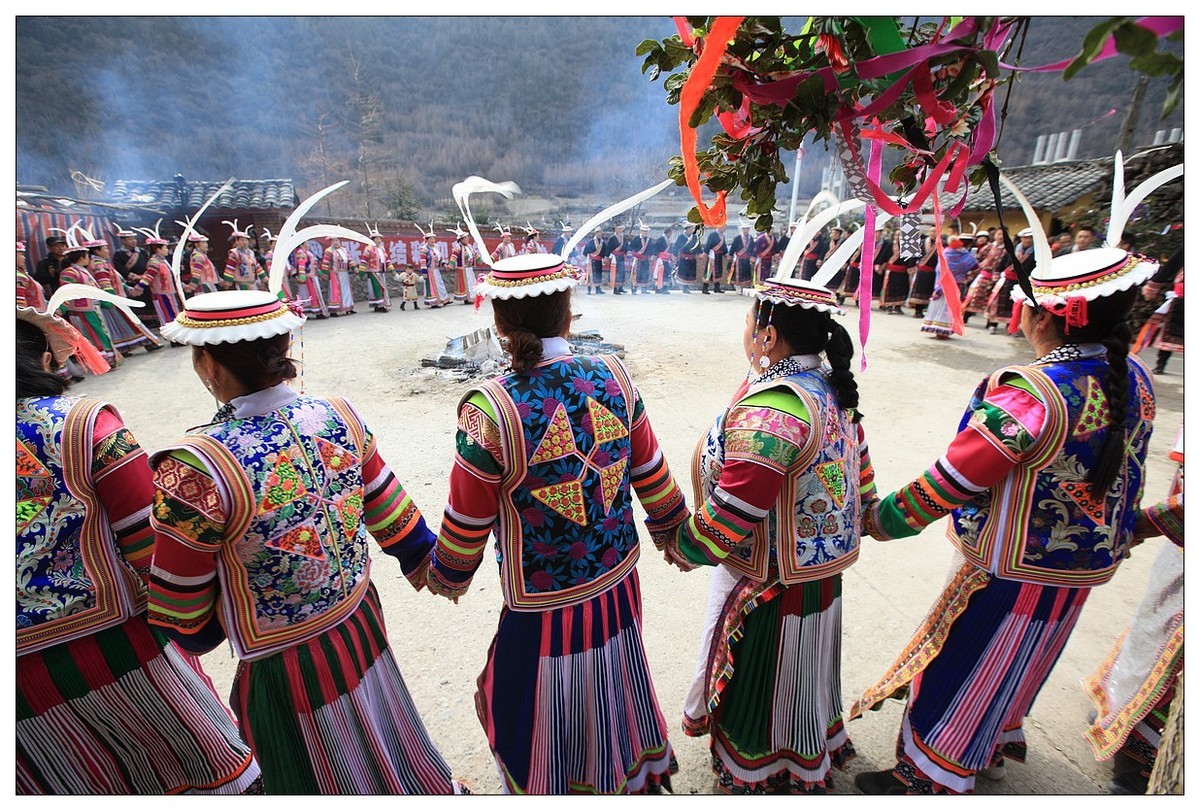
333,716
768,686
91,327
122,711
567,702
973,671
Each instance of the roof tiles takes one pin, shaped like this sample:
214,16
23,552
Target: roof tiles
243,194
1049,187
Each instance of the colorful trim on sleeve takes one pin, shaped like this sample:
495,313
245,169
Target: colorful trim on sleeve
124,485
1167,518
999,433
764,435
474,500
189,525
650,475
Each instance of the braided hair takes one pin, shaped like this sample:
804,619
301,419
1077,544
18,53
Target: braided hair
1108,324
810,331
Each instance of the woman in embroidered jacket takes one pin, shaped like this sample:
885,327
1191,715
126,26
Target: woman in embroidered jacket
1133,689
1042,485
261,521
84,313
127,331
778,479
105,704
546,458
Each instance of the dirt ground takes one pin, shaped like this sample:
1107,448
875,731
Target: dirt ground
685,356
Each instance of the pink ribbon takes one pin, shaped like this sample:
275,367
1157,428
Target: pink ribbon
1160,26
949,284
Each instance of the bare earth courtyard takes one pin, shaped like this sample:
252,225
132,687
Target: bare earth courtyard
685,356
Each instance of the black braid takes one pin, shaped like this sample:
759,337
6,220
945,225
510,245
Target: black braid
809,332
1116,391
840,351
1108,323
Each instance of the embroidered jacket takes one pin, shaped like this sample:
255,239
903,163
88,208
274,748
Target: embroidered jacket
79,274
83,521
1016,479
546,461
242,269
375,259
29,292
779,480
264,518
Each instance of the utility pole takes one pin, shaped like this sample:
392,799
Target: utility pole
1129,125
795,187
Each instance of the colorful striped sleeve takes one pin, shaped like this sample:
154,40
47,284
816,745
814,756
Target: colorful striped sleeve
392,518
867,493
474,500
124,485
1000,432
188,519
1166,517
651,477
764,435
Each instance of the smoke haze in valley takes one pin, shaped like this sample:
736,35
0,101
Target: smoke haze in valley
558,104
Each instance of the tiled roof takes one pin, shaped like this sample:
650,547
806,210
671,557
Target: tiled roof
1049,187
243,194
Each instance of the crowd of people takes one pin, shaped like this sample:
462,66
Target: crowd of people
254,529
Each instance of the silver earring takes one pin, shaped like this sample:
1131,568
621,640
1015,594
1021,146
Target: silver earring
764,362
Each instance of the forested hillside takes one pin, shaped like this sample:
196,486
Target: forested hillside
408,106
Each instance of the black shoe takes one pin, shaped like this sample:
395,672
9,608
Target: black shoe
153,347
1161,369
599,291
1131,782
620,291
881,782
333,315
320,316
704,288
402,304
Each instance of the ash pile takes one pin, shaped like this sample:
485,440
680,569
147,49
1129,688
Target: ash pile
478,354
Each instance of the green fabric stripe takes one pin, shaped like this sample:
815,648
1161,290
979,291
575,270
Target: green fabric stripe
271,717
891,519
24,710
744,713
784,400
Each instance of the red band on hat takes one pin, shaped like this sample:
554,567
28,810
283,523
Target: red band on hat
225,315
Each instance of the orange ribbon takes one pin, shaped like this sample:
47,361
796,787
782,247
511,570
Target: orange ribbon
693,90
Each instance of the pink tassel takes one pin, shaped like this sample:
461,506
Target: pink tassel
87,355
1014,321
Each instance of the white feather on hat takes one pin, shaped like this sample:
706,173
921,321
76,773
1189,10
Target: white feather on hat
838,259
63,338
74,243
237,233
519,276
458,232
809,229
1097,272
251,314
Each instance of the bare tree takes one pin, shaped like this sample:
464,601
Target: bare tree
364,115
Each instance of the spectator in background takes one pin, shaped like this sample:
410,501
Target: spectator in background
1085,238
1062,244
130,261
47,270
